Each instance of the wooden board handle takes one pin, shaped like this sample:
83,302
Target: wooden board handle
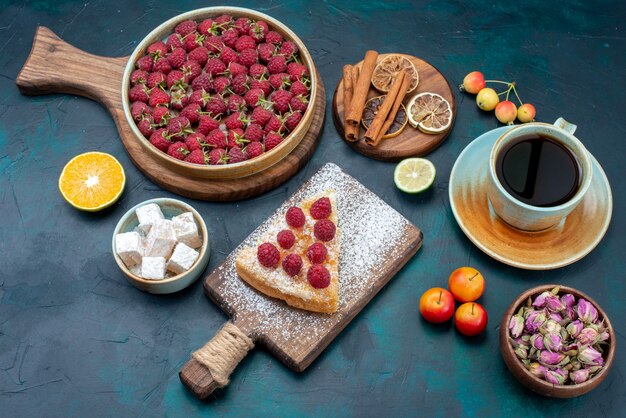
54,66
209,367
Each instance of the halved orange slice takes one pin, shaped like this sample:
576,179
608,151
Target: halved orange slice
430,113
92,181
371,109
387,70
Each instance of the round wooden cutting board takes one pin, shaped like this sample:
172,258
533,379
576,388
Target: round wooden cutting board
411,142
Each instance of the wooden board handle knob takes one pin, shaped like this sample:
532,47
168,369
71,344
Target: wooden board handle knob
209,367
55,66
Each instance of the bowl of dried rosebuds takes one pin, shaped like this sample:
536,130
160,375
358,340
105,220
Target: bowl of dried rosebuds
220,92
557,341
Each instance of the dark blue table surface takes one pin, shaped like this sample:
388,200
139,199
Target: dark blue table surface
77,340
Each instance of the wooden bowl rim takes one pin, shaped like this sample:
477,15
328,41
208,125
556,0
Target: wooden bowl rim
130,214
507,349
216,170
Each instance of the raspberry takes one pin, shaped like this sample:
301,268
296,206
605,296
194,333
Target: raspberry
138,94
298,88
228,56
295,217
174,41
177,58
157,50
293,120
199,97
324,230
268,255
321,208
202,82
281,99
234,121
286,239
186,27
199,55
253,149
235,137
207,27
162,65
224,21
254,97
316,253
161,115
216,139
215,66
247,57
196,157
191,69
214,44
288,49
318,276
145,63
263,85
260,116
279,81
275,125
266,51
220,84
235,103
277,64
178,127
192,41
236,155
258,30
299,103
138,110
230,37
245,42
177,78
273,37
216,106
218,156
179,99
258,71
240,84
206,124
272,140
159,140
191,112
159,97
194,141
296,71
254,132
292,264
145,126
178,150
138,77
242,25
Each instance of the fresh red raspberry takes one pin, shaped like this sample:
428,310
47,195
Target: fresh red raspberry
295,217
240,84
273,37
247,57
202,82
236,103
214,44
254,97
235,121
324,230
255,132
191,69
138,77
299,103
321,208
260,116
162,65
296,71
196,157
157,50
177,78
272,139
286,239
206,124
185,27
145,126
292,264
178,150
191,112
298,88
266,51
293,120
220,84
192,41
145,63
207,27
277,64
230,37
253,149
235,137
218,156
216,139
177,58
216,106
281,99
159,139
179,98
244,42
242,25
279,81
161,115
258,30
263,85
224,21
316,253
199,97
288,49
174,41
235,69
258,70
194,141
318,276
199,55
178,128
275,124
228,56
215,67
268,255
138,110
236,155
138,94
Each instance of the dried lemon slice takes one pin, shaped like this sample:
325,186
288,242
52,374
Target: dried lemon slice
430,113
371,109
387,70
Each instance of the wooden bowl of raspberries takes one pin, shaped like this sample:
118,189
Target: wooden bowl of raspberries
220,92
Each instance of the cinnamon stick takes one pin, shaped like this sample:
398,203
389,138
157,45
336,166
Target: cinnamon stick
383,111
362,88
394,110
350,78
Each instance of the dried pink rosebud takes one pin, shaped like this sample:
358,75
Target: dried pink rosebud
553,342
587,336
554,303
579,376
603,336
574,328
537,341
568,300
538,370
534,321
540,301
516,326
555,316
590,356
586,311
548,357
551,326
554,377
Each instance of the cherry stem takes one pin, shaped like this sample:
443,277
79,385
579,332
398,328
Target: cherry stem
498,81
517,95
472,278
472,309
440,294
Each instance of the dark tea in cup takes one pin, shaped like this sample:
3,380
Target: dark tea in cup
538,170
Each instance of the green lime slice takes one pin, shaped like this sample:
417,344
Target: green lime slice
414,175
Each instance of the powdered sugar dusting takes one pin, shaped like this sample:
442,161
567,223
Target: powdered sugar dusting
371,233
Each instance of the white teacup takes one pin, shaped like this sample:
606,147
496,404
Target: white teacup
522,215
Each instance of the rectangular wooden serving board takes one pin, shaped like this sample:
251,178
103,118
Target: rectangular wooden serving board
376,242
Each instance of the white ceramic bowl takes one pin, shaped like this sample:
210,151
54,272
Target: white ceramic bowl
170,208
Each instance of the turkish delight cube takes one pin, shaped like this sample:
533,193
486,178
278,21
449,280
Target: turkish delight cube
129,248
161,239
187,230
153,268
149,214
182,259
